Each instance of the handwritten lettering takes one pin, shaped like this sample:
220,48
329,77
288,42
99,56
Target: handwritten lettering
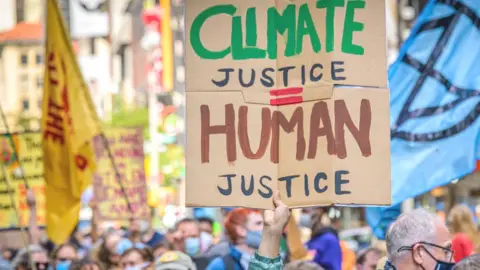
126,146
251,184
273,124
249,78
295,23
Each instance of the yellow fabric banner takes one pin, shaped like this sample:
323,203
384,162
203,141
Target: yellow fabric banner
69,124
30,156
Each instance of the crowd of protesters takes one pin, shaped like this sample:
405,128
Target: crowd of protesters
255,240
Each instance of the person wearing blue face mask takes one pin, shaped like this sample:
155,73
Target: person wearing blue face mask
63,256
244,228
186,238
419,240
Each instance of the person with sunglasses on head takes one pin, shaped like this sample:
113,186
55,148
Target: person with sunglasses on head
419,240
38,255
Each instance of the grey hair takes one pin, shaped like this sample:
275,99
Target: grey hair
409,229
471,262
21,259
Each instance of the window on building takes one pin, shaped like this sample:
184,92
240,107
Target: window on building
39,59
24,59
39,82
25,105
20,12
23,82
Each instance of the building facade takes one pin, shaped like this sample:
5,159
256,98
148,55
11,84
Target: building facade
21,76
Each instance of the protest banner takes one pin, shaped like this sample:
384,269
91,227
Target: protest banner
126,145
30,155
289,96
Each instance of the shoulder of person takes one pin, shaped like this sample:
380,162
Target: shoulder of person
461,238
216,264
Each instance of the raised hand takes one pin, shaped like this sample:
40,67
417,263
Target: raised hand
31,199
275,220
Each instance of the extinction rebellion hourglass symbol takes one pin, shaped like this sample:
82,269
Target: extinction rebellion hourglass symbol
427,70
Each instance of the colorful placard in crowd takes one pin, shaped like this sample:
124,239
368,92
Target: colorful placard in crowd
30,156
289,96
126,145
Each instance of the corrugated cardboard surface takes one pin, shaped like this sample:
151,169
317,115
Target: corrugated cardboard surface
368,174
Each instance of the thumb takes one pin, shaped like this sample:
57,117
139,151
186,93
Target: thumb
276,199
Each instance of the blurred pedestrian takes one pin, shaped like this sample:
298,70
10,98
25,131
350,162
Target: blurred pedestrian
5,264
134,231
8,254
38,256
187,237
206,233
136,259
174,260
63,256
367,259
82,238
244,227
205,224
419,240
160,249
349,258
85,264
150,237
465,234
107,254
324,240
469,263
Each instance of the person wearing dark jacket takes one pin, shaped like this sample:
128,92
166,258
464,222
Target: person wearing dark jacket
324,241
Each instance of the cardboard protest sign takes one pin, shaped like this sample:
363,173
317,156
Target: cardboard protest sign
30,156
289,96
127,148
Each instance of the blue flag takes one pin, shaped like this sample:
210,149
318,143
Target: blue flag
379,218
435,99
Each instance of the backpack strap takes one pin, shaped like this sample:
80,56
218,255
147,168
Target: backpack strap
228,262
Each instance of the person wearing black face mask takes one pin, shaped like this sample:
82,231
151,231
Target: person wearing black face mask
419,240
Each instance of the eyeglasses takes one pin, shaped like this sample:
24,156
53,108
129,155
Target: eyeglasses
447,251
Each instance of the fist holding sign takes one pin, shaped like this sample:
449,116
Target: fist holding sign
288,96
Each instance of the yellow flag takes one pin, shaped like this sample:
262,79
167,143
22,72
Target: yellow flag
69,124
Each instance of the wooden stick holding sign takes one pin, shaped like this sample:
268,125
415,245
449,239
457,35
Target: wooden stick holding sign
118,176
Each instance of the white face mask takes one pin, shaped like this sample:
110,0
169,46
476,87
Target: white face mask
206,240
138,267
144,226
